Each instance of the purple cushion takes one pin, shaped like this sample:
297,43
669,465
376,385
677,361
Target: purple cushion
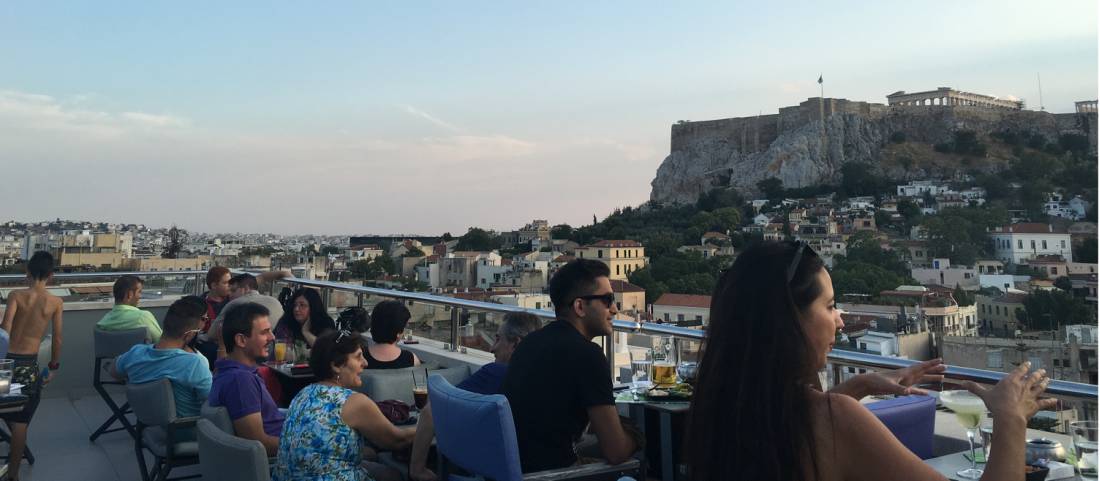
912,419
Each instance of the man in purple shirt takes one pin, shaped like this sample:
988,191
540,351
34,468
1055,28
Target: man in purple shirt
246,332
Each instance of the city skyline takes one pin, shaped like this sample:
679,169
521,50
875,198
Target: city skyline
433,118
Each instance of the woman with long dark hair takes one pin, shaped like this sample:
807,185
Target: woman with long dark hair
304,319
758,413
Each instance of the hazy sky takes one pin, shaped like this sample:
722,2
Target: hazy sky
375,117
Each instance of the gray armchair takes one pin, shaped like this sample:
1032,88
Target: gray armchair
169,438
224,457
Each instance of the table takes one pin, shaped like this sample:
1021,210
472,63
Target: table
665,410
284,370
953,463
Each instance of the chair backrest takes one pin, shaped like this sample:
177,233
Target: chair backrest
385,384
475,431
153,402
224,457
218,416
912,419
111,344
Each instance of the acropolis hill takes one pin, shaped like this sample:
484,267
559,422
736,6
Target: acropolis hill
801,149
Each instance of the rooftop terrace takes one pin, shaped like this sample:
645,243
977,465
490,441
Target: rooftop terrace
445,326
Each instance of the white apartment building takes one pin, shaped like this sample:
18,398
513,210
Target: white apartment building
944,274
918,188
682,309
1018,243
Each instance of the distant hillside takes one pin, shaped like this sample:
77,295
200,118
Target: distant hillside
899,142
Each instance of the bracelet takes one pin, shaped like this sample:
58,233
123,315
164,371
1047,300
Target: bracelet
54,365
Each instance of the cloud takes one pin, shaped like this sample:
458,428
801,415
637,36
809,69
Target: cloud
22,110
430,118
467,147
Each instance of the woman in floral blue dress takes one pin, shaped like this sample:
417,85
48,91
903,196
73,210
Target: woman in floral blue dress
328,422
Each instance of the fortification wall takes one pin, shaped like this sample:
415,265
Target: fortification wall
744,134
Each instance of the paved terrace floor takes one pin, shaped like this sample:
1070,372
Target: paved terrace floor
59,440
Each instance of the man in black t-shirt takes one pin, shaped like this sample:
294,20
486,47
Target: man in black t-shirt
558,380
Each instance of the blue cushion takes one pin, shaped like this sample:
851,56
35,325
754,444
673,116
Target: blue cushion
912,419
475,431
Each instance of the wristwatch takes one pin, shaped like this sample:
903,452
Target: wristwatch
54,365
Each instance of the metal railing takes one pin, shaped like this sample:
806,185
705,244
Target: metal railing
838,358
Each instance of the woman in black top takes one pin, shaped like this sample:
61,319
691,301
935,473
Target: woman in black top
304,319
388,321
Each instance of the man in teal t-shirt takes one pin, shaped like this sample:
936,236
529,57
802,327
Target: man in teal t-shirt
126,315
171,359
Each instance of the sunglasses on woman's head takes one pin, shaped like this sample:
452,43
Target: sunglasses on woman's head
793,268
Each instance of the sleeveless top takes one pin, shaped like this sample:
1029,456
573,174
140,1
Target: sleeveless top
402,361
316,444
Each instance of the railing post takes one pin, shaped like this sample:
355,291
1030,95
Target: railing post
359,299
456,316
609,351
326,297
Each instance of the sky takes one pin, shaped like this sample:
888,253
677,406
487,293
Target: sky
430,117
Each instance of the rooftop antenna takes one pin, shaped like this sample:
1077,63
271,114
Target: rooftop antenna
1040,82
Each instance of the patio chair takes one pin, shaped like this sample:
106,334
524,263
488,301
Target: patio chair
224,457
476,433
912,419
169,438
108,346
218,416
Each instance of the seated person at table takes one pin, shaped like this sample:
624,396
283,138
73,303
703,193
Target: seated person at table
487,380
388,321
303,322
558,380
126,315
243,289
328,423
246,333
167,359
756,412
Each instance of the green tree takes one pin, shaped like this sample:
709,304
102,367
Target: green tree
962,297
329,249
960,234
772,187
1086,251
857,179
1047,310
561,231
477,239
719,198
1064,283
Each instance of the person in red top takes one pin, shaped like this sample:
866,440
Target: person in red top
217,294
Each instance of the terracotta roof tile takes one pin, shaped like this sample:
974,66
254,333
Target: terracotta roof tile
616,243
684,300
624,286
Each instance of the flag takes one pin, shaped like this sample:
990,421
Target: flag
819,79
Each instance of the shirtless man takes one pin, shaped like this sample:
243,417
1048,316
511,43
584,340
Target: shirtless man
29,312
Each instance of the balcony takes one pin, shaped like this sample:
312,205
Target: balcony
449,330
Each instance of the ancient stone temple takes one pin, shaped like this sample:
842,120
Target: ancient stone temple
1085,106
952,97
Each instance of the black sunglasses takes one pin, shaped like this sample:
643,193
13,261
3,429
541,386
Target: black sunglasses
793,268
608,299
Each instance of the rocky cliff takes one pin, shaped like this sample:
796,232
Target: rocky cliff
810,151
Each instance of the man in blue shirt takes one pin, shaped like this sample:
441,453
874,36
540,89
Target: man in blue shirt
486,380
246,332
170,358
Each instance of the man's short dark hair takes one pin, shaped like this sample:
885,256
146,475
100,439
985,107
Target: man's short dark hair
388,319
215,274
183,315
575,279
40,266
244,280
238,320
331,348
125,284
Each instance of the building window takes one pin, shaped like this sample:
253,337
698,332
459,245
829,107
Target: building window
617,269
1020,244
1063,244
599,253
699,318
1044,244
1053,271
666,317
1032,245
679,318
995,359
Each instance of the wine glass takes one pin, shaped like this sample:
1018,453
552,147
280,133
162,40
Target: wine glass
969,411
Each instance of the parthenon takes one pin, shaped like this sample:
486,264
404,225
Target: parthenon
949,96
1085,106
